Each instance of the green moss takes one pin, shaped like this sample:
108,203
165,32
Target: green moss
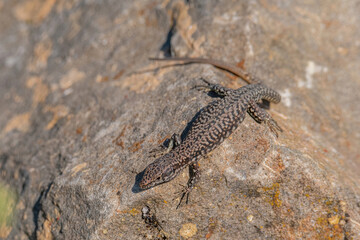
7,208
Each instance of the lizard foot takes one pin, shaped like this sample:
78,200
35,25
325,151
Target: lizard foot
274,127
185,192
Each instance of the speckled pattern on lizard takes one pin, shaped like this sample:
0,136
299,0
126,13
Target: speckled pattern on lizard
214,123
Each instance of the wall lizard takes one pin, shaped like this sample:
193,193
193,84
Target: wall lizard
214,123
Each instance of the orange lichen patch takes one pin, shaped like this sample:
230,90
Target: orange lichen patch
19,122
118,140
139,83
121,211
33,11
136,146
64,5
119,74
78,168
134,212
79,130
325,230
327,222
42,51
211,228
41,91
342,51
59,111
241,64
277,164
100,78
311,227
273,195
57,214
33,81
71,77
45,232
233,77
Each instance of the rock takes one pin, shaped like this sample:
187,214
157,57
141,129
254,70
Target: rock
82,107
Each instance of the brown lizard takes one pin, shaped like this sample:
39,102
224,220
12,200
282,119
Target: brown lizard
214,123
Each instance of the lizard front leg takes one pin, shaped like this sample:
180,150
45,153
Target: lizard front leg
174,141
194,173
216,88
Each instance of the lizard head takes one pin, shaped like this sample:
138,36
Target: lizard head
157,173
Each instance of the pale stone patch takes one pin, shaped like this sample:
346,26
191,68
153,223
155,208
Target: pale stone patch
139,83
188,230
311,69
59,111
19,122
78,168
33,11
286,97
41,91
73,76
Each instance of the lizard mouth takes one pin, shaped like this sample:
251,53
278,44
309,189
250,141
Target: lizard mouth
146,185
143,185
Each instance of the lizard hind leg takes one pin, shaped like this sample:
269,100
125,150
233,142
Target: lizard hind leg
260,115
194,172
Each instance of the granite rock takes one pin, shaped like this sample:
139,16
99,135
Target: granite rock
82,107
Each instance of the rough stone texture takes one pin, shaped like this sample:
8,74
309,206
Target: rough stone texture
81,107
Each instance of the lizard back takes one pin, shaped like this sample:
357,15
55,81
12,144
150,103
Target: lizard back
214,123
219,119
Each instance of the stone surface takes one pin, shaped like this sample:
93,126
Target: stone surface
81,107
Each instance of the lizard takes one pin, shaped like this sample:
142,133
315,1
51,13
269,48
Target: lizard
214,123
